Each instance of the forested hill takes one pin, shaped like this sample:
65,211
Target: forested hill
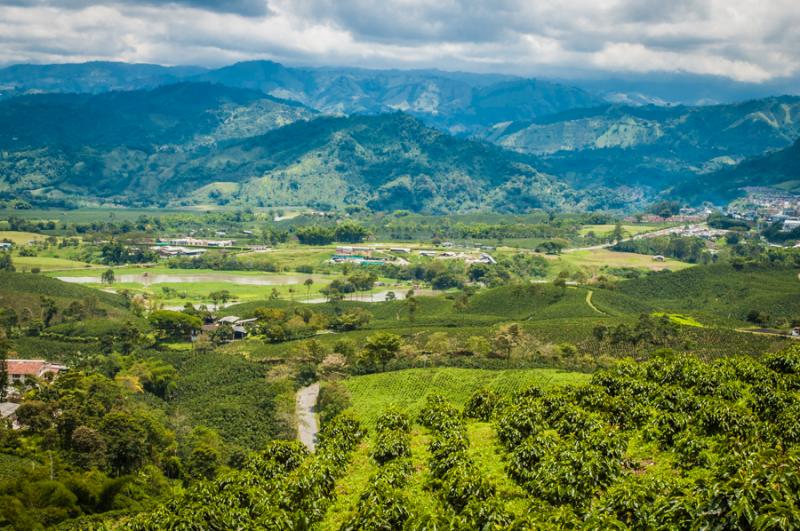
780,169
172,114
387,161
654,146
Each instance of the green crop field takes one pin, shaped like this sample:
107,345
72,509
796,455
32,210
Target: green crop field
372,394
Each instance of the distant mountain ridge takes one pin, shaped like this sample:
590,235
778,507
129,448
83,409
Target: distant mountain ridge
652,146
182,138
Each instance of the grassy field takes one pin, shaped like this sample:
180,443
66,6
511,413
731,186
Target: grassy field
20,238
372,394
630,230
48,263
595,260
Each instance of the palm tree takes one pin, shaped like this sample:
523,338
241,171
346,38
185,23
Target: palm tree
307,284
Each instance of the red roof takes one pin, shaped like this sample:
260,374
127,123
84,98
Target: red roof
33,367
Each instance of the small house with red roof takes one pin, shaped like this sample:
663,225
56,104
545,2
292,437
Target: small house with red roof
18,370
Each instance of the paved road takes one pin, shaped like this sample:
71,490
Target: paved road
307,426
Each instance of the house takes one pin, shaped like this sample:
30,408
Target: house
19,370
5,246
659,258
429,254
229,319
239,332
400,250
796,331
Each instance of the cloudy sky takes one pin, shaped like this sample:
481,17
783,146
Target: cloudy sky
747,40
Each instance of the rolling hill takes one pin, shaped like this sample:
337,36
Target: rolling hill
779,169
652,146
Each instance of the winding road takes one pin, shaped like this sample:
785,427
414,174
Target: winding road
307,425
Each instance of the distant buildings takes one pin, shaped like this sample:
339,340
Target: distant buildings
169,250
189,241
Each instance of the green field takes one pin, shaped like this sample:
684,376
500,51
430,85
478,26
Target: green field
20,238
628,229
595,260
407,389
47,263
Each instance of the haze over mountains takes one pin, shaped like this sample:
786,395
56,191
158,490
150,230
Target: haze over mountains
147,134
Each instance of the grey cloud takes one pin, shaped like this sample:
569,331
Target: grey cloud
247,8
738,38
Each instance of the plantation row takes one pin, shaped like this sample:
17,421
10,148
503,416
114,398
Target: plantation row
281,487
671,443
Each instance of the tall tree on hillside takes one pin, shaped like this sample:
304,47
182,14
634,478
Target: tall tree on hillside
3,367
308,282
619,234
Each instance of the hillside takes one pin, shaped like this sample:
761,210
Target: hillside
652,146
169,146
174,114
387,161
780,169
91,77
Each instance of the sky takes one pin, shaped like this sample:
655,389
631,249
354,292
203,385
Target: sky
745,40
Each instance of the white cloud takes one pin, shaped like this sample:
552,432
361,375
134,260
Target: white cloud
741,39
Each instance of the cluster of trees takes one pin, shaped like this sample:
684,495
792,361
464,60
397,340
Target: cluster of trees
33,320
115,253
688,249
345,232
221,262
358,281
93,441
648,331
721,221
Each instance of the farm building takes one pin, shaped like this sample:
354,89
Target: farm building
18,370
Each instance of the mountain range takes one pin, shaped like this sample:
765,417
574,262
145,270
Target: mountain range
260,133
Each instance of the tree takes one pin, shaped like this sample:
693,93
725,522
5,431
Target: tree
274,294
618,233
478,345
221,296
6,264
307,283
334,397
89,448
3,368
108,276
126,440
381,348
315,235
174,325
390,296
412,305
49,310
350,232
